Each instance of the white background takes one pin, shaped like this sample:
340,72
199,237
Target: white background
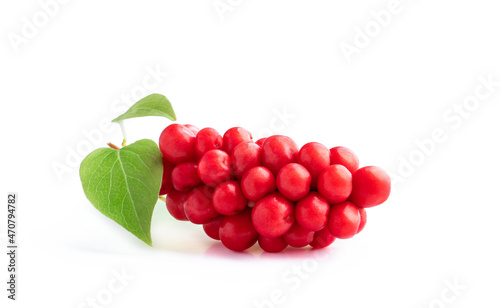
439,227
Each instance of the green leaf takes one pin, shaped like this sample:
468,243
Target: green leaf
124,184
152,105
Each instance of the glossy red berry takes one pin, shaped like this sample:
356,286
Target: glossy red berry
237,232
371,186
343,220
166,181
257,183
234,136
362,217
212,228
322,238
207,139
298,236
260,142
192,128
272,244
345,157
214,167
177,144
335,184
315,157
185,176
278,151
273,215
293,181
198,207
228,199
311,212
245,156
175,202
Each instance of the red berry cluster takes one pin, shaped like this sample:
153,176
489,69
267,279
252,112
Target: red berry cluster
267,191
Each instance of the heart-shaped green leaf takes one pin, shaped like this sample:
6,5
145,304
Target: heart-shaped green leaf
151,105
124,184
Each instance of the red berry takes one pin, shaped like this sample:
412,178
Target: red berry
166,181
245,156
371,186
214,167
273,216
345,157
177,144
228,198
233,137
207,139
343,220
298,236
257,183
312,212
260,142
322,238
272,244
185,176
212,228
293,181
192,128
335,184
278,151
175,202
362,222
199,208
237,232
315,157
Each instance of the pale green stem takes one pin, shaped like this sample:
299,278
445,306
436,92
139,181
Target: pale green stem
124,133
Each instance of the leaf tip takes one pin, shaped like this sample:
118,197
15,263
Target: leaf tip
148,241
